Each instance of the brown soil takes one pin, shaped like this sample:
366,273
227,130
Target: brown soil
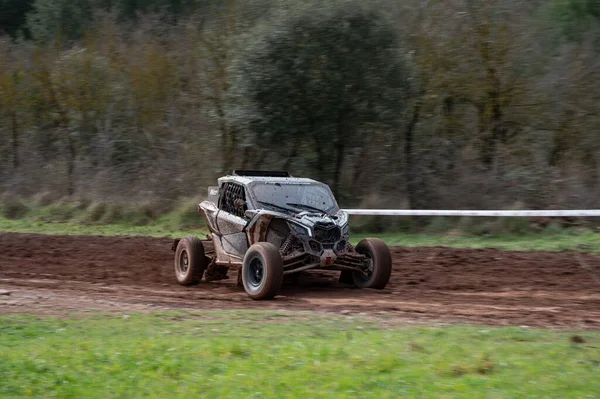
62,274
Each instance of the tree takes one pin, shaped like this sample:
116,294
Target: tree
474,58
320,75
11,98
129,9
574,18
216,52
74,92
68,18
13,15
63,18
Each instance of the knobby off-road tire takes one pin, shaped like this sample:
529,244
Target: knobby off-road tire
190,261
262,271
379,253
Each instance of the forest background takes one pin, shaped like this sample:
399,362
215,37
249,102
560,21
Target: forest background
459,104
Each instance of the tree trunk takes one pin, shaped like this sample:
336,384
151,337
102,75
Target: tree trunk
227,139
233,143
293,154
410,178
15,139
488,150
320,161
496,133
339,162
359,166
72,153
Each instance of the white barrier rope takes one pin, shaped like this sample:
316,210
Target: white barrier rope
431,212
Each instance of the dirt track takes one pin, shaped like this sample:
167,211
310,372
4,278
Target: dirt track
58,274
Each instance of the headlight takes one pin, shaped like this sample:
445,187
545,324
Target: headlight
346,229
315,246
342,221
299,229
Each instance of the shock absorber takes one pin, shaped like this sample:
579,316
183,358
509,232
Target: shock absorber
285,247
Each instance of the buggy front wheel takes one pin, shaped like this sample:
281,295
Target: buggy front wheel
262,271
380,264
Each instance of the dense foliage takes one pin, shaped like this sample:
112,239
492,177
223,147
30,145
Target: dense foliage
477,104
320,82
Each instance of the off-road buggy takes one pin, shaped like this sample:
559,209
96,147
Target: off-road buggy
269,224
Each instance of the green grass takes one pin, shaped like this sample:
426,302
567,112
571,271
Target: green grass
567,240
97,218
544,241
152,229
235,354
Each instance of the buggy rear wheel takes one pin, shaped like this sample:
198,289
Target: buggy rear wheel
190,261
262,271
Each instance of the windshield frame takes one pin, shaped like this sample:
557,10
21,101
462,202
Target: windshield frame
332,210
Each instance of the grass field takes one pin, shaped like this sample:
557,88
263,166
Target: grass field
246,354
544,241
250,354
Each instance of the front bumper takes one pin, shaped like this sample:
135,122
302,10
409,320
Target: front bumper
328,260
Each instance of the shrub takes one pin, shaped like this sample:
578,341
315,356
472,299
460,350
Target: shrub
113,214
14,209
95,212
439,224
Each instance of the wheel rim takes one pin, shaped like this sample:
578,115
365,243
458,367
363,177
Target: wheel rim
364,278
255,273
184,263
